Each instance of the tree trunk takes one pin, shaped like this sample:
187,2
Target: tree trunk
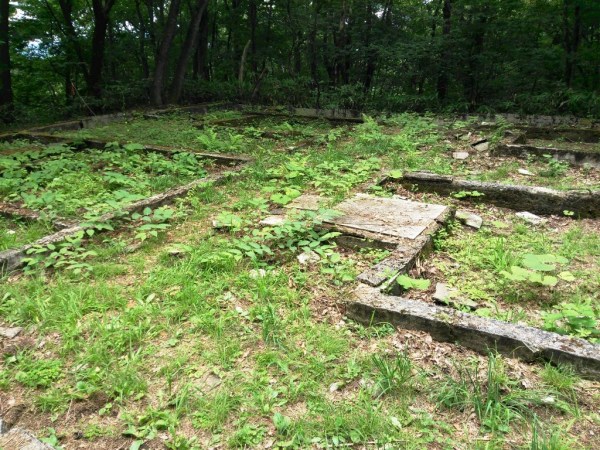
74,47
572,38
442,81
252,17
242,67
101,11
6,94
201,58
142,41
162,59
370,66
189,46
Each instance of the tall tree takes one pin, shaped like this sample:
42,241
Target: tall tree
162,58
572,37
101,10
6,92
442,81
187,49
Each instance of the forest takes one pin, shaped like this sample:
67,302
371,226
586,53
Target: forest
62,58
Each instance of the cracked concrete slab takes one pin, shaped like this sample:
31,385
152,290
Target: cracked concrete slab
402,219
403,226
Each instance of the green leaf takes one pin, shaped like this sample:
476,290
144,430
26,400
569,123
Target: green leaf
133,146
543,263
566,276
407,282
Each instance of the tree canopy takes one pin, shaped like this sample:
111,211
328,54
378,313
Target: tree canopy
71,56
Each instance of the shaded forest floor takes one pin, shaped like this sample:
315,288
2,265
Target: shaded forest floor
211,335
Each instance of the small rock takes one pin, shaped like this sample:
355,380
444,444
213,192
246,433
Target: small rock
460,155
531,218
17,345
469,219
449,296
176,252
209,382
334,387
131,248
10,333
481,146
526,172
10,231
260,273
443,292
273,221
306,258
548,400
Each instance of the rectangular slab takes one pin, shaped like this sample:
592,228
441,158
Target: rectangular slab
403,226
398,218
370,306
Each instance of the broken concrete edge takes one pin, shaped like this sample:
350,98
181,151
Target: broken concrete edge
576,157
238,125
584,204
477,333
534,120
12,259
197,108
105,119
21,439
11,212
403,257
333,114
220,158
586,135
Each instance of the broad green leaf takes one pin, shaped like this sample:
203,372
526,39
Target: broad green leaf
407,282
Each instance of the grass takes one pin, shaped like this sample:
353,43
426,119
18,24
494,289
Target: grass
205,348
15,233
474,264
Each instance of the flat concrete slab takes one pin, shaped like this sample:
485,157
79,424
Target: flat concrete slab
477,333
402,219
403,226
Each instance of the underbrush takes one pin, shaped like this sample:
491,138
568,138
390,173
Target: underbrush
206,329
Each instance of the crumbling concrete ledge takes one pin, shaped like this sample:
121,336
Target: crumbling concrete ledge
445,324
12,259
21,439
30,215
98,144
575,157
539,200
